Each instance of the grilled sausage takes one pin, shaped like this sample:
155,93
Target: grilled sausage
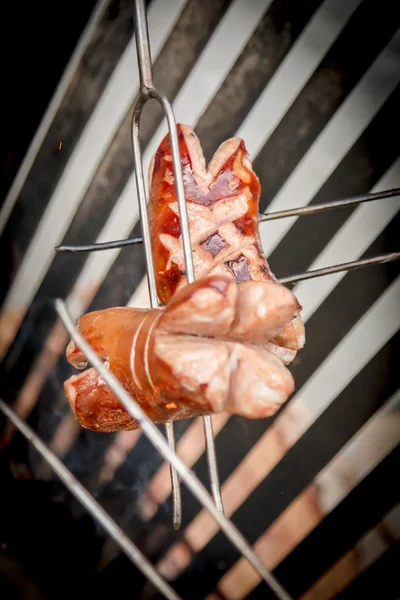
206,352
222,203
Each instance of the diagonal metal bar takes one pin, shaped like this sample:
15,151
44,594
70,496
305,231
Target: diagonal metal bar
148,90
141,190
95,509
160,443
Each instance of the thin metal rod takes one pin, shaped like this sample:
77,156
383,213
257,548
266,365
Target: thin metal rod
281,214
147,90
141,190
143,47
175,482
212,463
100,245
160,443
151,278
190,276
180,189
94,508
349,266
317,208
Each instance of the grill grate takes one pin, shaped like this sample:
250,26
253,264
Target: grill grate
147,91
281,214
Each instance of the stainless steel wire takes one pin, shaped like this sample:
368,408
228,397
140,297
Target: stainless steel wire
313,209
147,91
281,214
137,154
175,483
349,266
96,510
161,444
213,503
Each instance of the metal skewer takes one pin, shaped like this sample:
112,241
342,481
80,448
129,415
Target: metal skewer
349,266
147,91
313,209
281,214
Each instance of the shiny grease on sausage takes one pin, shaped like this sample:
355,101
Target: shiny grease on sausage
223,206
196,356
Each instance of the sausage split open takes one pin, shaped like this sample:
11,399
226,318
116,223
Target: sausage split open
220,344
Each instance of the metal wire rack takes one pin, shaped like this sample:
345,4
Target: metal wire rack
166,447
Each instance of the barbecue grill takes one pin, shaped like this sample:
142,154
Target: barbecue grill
213,502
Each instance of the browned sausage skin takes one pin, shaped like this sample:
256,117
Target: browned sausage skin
223,206
195,356
221,343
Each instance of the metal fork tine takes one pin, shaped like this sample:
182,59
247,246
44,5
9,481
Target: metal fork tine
190,274
175,482
313,209
146,85
141,190
349,266
148,90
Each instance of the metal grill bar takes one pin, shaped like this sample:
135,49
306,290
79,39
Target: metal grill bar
335,204
281,214
349,266
146,84
160,443
87,500
147,91
167,447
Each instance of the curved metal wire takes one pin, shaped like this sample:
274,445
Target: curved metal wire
147,91
167,447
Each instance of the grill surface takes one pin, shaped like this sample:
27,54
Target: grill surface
317,112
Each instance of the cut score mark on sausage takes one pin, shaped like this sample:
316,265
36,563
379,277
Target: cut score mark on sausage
222,204
224,233
220,344
239,268
214,244
206,352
